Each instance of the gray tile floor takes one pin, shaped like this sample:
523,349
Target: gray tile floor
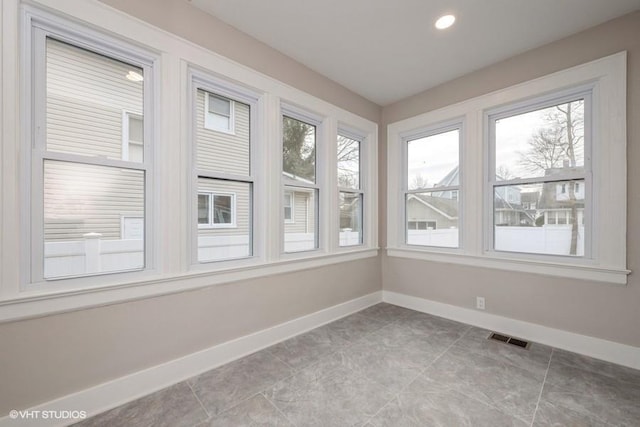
389,366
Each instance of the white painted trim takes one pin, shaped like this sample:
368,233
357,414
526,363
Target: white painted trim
609,351
585,272
125,389
39,303
607,78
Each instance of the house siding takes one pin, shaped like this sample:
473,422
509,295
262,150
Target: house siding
417,211
219,151
86,96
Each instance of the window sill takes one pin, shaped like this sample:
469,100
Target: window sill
616,276
37,304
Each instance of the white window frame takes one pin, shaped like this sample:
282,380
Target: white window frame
318,188
40,26
211,224
209,123
212,85
352,134
291,206
549,100
171,268
434,129
607,260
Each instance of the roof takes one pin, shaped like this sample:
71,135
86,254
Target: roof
447,207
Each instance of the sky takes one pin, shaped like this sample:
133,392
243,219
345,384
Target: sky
433,157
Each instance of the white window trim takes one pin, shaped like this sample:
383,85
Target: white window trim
292,206
608,263
211,224
40,25
174,272
208,120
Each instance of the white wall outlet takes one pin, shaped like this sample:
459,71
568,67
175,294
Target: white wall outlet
480,303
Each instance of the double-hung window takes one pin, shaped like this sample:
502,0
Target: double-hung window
300,179
432,187
540,156
535,179
350,193
223,179
91,155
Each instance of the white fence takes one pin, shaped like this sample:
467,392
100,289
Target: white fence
94,255
553,240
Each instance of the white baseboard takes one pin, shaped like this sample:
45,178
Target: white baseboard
609,351
125,389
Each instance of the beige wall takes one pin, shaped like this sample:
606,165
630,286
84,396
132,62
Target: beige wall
595,309
50,357
46,358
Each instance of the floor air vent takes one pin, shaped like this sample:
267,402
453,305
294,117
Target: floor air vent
509,340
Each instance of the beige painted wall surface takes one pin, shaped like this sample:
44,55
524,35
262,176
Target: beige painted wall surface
181,18
595,309
46,358
50,357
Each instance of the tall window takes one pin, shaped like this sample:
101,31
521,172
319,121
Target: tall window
432,188
300,181
539,159
224,195
350,192
90,162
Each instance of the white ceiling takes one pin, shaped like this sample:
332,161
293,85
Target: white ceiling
386,50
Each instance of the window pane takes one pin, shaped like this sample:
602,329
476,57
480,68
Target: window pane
87,96
348,162
300,234
299,150
228,235
93,219
218,151
203,209
350,219
288,207
433,161
219,105
432,219
222,206
541,143
552,225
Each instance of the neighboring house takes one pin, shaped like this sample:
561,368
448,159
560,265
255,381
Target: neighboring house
431,212
555,201
299,207
93,109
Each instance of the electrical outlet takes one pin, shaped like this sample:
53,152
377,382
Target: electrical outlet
480,303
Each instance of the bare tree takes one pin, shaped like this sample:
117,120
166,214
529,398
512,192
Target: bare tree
503,173
557,145
418,182
348,162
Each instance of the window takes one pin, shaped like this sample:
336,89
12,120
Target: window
540,154
219,113
91,177
299,177
288,207
543,173
223,175
216,210
432,185
350,192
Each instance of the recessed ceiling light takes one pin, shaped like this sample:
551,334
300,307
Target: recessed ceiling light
134,76
445,22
